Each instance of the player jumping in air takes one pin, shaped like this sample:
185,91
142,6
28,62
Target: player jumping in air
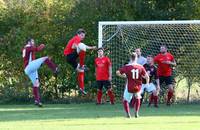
154,86
165,60
103,68
75,49
134,73
31,65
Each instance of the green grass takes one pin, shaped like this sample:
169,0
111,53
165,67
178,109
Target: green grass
92,117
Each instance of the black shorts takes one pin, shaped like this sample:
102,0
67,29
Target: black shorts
72,59
167,79
103,83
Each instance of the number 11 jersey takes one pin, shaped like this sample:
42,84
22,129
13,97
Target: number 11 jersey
134,74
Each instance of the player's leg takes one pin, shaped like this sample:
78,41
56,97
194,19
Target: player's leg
33,76
72,60
143,89
51,65
81,76
137,103
81,50
126,100
110,93
35,65
151,98
156,98
154,94
170,92
99,92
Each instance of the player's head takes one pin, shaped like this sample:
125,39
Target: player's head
138,51
134,57
81,33
30,41
149,59
100,52
163,49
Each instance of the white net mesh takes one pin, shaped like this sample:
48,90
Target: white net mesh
182,40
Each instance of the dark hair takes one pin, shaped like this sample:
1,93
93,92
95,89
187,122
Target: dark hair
133,56
28,39
80,30
101,48
150,56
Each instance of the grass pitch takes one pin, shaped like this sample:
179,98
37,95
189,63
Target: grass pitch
94,117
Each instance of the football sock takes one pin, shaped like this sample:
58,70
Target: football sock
50,64
151,98
126,106
82,57
99,96
36,94
169,96
81,80
156,100
112,96
137,103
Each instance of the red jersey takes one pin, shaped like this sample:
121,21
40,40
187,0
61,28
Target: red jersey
102,68
28,53
164,69
134,74
68,49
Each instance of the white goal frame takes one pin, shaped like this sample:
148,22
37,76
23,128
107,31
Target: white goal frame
102,23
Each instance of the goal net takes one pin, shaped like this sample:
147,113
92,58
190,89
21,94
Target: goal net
181,37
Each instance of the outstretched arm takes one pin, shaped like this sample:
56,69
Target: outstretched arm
123,75
146,77
91,47
39,48
170,62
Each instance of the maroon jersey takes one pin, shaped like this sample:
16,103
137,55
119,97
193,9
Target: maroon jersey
152,72
134,74
28,53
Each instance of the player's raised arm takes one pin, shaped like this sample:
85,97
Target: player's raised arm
91,47
122,75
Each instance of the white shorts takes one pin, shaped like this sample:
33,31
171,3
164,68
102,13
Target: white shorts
31,69
128,96
149,88
81,46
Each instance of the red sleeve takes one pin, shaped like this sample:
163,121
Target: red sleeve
77,40
34,48
122,70
109,61
156,59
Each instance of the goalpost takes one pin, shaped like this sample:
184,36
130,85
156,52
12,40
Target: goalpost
181,37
